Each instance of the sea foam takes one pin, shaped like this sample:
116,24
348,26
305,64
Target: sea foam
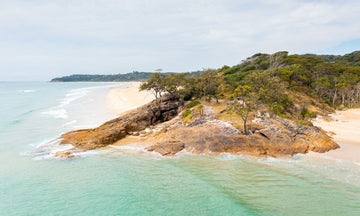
46,149
57,113
28,91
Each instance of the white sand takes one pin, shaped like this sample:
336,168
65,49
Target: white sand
346,126
124,98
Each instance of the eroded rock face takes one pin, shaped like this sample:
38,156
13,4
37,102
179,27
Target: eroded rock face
137,120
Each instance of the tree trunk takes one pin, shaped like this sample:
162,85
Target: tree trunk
245,129
334,97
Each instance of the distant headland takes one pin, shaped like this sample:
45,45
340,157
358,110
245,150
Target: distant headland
128,77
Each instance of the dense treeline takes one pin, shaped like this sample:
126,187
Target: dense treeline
134,76
334,81
331,79
351,59
270,81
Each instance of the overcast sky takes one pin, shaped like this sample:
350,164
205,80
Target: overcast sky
42,39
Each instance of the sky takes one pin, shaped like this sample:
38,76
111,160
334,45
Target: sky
40,40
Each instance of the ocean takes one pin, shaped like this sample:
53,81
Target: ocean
123,181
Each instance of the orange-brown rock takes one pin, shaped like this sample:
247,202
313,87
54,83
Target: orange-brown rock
64,154
280,138
204,134
169,148
137,120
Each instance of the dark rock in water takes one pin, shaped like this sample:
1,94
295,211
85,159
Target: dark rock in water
137,120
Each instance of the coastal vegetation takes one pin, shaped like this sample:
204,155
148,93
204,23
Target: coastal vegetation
272,83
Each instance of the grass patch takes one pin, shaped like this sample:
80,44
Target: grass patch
186,113
303,122
192,104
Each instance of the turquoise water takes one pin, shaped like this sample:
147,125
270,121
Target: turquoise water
133,182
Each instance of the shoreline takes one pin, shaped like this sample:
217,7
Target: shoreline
344,127
121,99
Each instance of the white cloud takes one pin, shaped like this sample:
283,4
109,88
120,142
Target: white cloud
119,36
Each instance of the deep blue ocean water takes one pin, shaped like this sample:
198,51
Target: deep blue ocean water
133,182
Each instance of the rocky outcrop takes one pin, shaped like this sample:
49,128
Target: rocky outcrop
203,134
137,120
279,138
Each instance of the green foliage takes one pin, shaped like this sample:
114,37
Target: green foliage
186,113
155,84
270,78
304,113
172,82
192,104
243,109
165,83
269,89
208,84
231,70
277,108
224,68
303,122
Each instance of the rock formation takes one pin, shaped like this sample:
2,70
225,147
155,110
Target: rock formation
204,134
137,120
278,138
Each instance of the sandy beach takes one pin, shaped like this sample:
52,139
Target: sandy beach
346,128
124,98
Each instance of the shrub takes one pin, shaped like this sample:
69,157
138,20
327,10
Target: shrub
303,122
192,104
304,113
186,113
277,108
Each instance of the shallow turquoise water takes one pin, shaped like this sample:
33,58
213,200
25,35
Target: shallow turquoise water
133,182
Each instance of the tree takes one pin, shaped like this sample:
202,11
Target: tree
321,86
270,89
173,82
155,84
209,83
244,107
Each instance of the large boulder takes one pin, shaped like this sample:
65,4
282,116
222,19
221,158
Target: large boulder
169,148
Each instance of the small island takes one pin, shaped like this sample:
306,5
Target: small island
261,107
